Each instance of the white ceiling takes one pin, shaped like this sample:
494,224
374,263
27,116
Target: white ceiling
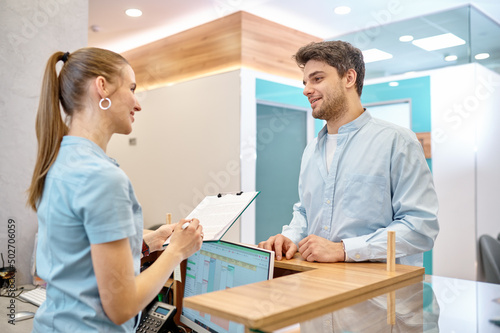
162,18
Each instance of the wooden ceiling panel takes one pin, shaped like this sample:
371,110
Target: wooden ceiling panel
234,41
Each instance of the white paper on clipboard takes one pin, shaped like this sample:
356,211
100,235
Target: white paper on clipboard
217,213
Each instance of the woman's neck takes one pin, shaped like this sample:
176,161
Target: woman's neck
89,125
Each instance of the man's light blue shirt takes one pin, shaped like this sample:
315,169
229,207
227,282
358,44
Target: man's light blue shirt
378,181
87,199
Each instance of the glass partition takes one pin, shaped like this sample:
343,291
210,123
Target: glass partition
448,38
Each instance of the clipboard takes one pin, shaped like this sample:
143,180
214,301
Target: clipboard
217,213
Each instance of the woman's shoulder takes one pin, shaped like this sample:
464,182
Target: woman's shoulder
82,163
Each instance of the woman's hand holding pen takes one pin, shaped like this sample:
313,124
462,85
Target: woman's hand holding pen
186,238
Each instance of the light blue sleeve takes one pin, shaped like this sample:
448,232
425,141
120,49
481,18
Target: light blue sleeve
415,207
104,204
297,229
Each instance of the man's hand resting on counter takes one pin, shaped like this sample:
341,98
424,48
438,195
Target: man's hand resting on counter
316,248
281,245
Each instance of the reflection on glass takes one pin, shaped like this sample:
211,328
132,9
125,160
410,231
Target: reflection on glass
417,310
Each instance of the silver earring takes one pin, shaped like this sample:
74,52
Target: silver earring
102,100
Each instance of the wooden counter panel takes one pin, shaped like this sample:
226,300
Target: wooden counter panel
297,264
324,286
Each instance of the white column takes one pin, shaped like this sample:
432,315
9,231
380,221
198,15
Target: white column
30,32
454,120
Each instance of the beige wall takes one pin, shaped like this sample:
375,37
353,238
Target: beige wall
29,33
187,146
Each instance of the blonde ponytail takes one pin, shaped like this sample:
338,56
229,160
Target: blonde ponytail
50,129
70,89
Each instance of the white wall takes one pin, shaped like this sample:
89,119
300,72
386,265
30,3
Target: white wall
466,164
488,152
188,146
453,163
29,33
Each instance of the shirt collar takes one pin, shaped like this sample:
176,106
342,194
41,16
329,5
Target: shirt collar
71,140
354,125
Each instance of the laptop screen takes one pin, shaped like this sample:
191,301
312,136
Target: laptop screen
221,265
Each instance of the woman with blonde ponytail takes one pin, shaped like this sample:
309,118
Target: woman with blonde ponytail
90,223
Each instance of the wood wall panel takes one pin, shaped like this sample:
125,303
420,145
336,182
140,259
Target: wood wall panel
425,141
268,47
210,47
234,41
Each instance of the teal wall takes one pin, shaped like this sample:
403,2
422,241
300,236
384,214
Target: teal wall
418,90
281,139
284,94
280,93
278,157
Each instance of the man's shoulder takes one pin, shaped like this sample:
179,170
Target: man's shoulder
310,148
391,130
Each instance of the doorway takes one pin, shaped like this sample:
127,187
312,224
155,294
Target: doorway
281,139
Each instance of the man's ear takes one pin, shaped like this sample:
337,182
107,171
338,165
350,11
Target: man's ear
350,77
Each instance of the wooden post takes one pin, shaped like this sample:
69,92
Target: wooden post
391,267
391,308
179,292
391,251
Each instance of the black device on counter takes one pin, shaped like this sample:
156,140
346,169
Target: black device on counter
159,319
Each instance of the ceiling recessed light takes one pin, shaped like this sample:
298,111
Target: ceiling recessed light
342,10
394,84
450,57
438,42
133,12
373,55
406,38
481,56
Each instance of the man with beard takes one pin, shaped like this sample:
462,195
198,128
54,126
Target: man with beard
360,177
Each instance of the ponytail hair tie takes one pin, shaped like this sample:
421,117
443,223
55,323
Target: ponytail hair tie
65,57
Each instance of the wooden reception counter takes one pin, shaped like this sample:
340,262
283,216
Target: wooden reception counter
302,290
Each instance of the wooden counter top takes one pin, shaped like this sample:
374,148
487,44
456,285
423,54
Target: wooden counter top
316,289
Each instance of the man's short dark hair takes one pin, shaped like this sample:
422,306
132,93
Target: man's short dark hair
338,54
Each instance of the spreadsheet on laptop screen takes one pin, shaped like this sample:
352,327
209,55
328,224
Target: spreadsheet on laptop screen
222,265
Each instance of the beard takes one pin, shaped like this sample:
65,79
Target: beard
334,106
